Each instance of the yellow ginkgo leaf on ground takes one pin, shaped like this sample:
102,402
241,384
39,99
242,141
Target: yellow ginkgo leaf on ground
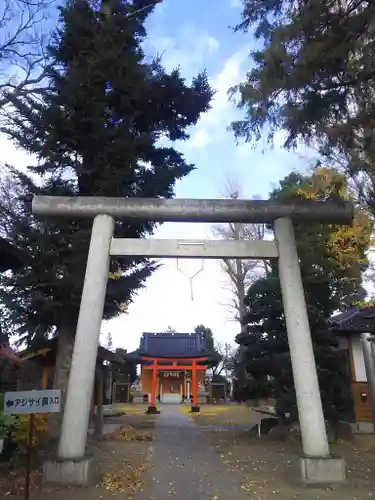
127,477
129,433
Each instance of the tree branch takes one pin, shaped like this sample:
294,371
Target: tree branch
240,273
23,39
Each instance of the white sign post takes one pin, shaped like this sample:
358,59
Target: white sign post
27,402
30,403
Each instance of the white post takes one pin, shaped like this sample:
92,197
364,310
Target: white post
370,368
313,430
113,393
109,383
77,407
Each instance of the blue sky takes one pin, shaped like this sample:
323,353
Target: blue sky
196,35
206,41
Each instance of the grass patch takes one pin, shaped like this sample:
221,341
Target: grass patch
211,410
208,409
133,410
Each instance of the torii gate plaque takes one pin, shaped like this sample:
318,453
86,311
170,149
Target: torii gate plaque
317,466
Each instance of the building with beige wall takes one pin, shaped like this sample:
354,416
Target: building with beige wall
173,367
349,326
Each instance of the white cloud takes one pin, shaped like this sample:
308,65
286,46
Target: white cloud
189,51
279,138
235,4
13,156
213,124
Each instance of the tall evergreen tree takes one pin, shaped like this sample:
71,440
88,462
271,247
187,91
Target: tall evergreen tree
313,77
170,329
207,335
331,260
97,132
109,343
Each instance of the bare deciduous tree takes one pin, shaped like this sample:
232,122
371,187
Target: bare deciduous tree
24,36
240,273
226,364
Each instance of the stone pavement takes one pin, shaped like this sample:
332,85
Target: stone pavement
183,465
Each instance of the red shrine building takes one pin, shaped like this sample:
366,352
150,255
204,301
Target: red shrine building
173,367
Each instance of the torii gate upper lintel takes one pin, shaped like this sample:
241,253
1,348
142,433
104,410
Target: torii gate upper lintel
316,463
194,210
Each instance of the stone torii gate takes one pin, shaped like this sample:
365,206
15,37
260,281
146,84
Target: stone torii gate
72,466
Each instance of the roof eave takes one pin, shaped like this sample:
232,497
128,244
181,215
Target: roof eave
351,331
136,356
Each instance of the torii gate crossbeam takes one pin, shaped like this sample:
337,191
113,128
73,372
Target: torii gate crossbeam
192,249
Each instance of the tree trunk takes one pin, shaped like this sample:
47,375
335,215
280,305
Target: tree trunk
64,353
241,293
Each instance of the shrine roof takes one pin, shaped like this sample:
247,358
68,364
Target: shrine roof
10,256
46,346
354,320
172,346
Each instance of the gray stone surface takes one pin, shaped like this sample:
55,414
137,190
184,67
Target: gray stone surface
183,465
202,397
99,421
108,428
363,428
321,471
138,397
70,472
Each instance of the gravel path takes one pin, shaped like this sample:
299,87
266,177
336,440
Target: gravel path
183,465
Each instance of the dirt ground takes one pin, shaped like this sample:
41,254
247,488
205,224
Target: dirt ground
268,468
228,416
120,459
264,467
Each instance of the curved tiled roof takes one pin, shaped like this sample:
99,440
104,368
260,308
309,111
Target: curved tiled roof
354,320
171,345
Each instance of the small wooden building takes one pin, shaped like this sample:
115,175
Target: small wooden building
173,367
349,326
113,376
34,368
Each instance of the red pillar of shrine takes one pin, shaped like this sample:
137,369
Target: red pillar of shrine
194,387
152,405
